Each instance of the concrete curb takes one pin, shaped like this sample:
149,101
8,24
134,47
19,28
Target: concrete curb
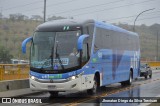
14,88
14,84
19,92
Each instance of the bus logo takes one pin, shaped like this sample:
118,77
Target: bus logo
100,54
51,81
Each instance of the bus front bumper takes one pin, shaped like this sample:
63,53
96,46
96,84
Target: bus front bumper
52,85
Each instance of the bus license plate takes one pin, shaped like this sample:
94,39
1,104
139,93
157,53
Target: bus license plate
51,86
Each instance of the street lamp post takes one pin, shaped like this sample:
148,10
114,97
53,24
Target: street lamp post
139,15
157,47
44,11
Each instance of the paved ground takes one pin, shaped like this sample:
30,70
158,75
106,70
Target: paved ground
18,92
151,87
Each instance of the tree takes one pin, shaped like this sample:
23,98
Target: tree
6,40
5,56
36,17
1,16
55,18
14,39
18,17
12,17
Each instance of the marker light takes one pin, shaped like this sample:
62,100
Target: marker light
77,27
64,28
67,27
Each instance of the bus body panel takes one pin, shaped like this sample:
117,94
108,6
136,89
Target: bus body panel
61,82
115,64
112,64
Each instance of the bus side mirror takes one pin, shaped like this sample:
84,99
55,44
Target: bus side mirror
24,43
81,40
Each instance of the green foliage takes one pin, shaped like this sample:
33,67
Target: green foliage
13,32
149,38
5,56
18,27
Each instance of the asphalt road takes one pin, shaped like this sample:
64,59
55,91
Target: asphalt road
139,88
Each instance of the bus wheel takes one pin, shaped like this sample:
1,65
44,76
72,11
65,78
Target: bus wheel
53,93
150,76
95,87
145,76
123,83
129,82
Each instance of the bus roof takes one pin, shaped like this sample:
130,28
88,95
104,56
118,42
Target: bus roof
114,28
59,24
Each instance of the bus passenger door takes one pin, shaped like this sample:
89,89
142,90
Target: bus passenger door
84,54
106,69
85,57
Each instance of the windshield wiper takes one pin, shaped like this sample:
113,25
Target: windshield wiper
58,57
52,55
44,63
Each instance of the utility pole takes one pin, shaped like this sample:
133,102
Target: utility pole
1,12
157,46
44,11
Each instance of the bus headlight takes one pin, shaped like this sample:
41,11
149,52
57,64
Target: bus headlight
76,76
73,77
32,77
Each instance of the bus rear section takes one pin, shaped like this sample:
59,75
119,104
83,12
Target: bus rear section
116,54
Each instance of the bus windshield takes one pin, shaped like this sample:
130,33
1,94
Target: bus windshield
55,51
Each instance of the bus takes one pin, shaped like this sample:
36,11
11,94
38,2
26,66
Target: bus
78,55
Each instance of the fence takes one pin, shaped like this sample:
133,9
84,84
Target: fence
21,71
14,71
154,64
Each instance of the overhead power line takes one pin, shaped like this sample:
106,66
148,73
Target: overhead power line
92,6
114,7
146,18
60,3
132,16
50,5
18,6
140,19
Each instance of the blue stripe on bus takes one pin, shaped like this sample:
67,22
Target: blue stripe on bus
113,71
54,76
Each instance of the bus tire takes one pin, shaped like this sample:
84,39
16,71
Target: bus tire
129,82
150,76
145,76
95,87
53,93
123,83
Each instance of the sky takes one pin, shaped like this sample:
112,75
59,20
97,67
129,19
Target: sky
111,11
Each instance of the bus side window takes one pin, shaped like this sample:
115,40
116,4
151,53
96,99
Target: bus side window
98,40
85,53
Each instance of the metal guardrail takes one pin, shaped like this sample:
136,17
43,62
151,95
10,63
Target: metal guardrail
21,71
14,71
154,64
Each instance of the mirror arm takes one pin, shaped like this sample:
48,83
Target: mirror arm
24,43
80,45
80,41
